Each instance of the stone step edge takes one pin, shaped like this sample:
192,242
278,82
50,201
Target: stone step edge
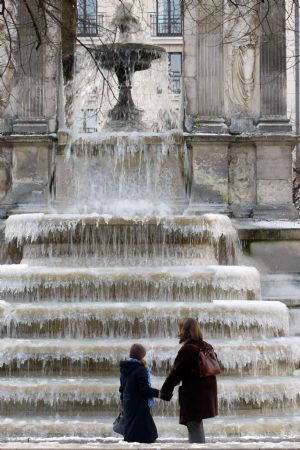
233,445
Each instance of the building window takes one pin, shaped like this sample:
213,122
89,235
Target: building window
175,70
168,18
88,121
87,18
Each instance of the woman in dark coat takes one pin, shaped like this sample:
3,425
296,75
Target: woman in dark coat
197,396
137,397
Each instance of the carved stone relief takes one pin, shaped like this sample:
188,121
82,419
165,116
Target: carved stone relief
243,72
241,44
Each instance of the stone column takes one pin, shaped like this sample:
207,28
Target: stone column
52,71
273,69
203,67
36,73
7,70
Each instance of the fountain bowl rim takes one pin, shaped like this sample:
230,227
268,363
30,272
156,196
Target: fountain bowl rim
117,46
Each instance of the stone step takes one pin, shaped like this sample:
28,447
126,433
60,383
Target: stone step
72,357
283,287
88,429
106,240
219,319
178,444
264,230
181,283
98,395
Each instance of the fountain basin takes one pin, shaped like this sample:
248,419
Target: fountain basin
98,395
218,319
72,357
131,57
125,59
189,283
104,240
34,227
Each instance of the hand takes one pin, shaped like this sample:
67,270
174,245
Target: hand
165,396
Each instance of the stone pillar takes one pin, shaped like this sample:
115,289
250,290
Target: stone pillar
52,71
37,72
7,70
203,68
273,69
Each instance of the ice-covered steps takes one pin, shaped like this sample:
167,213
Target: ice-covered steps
72,357
201,254
228,318
188,283
106,240
225,428
35,227
101,395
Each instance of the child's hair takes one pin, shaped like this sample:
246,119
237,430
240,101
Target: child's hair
137,351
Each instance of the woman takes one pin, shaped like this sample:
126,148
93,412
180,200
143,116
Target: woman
137,397
197,396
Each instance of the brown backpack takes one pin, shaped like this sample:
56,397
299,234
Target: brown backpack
208,362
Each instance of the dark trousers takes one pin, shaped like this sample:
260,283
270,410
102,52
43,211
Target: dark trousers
196,432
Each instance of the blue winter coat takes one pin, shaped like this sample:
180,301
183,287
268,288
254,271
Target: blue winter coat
135,392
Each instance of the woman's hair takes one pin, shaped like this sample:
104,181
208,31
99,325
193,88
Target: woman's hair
189,329
137,351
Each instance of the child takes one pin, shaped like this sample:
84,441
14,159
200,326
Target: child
137,397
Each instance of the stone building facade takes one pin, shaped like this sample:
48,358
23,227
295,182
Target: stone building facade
236,129
235,86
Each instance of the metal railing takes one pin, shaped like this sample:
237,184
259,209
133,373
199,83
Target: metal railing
84,129
90,25
165,26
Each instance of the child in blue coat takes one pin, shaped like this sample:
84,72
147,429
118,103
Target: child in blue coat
137,396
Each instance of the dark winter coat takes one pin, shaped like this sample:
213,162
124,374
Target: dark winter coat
197,396
135,392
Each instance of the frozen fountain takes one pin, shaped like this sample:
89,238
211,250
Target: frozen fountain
124,168
115,267
125,58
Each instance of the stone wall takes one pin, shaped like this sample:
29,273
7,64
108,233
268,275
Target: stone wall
26,169
246,176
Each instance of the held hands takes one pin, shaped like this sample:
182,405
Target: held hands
165,396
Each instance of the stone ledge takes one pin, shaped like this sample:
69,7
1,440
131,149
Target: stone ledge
288,445
261,230
269,138
27,138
